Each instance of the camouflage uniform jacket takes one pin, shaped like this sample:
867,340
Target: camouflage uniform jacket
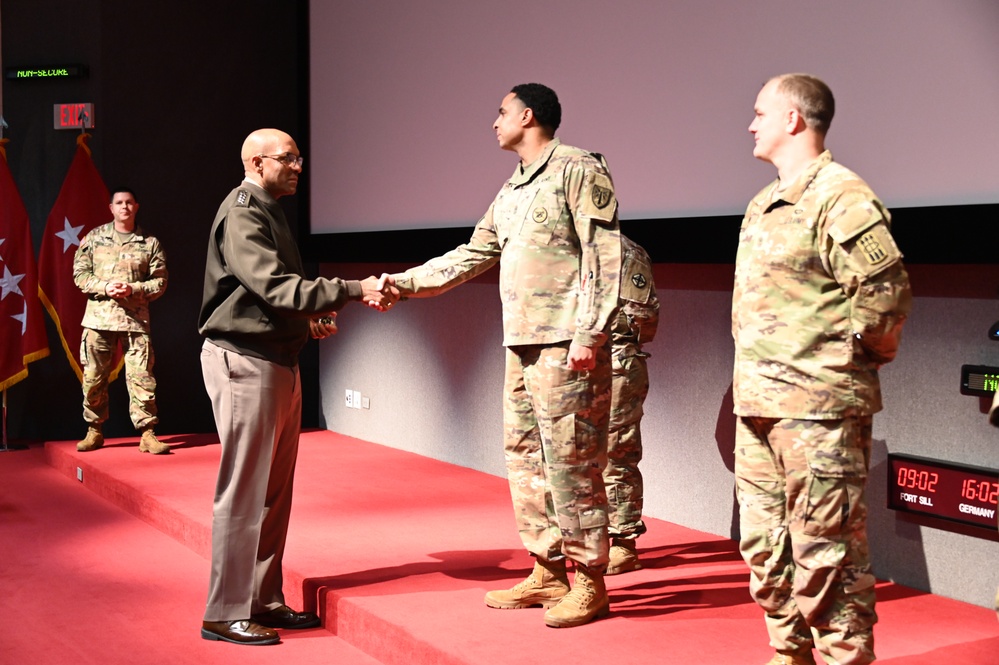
638,318
102,258
819,300
553,229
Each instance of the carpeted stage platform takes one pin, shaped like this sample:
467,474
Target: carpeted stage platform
395,551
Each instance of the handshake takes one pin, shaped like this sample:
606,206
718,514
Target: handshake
379,292
376,292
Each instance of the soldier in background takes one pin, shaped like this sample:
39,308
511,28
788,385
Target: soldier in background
994,420
553,228
819,301
635,325
121,269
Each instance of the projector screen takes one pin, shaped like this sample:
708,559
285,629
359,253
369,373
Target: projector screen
403,96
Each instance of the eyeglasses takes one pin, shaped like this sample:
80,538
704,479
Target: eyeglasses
287,159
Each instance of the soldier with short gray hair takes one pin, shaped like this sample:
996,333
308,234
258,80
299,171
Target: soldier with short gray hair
818,305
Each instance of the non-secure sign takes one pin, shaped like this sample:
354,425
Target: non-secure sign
44,73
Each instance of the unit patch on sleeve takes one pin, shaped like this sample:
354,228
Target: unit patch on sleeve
871,248
601,196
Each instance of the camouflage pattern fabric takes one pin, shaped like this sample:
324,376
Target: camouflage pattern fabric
553,230
635,324
819,301
139,261
803,520
555,443
96,354
994,419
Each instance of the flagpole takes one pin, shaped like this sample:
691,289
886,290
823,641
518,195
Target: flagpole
8,447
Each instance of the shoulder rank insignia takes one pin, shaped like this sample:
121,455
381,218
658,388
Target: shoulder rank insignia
242,198
600,196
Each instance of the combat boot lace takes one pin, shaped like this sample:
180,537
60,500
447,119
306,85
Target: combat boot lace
586,601
623,557
150,444
792,658
92,441
545,586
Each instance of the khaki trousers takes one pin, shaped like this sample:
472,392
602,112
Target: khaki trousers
258,413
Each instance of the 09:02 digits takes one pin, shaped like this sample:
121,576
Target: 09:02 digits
910,478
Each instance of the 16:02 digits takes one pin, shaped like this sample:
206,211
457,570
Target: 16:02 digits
980,490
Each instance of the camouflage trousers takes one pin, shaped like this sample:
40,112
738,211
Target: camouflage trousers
622,478
96,357
555,443
803,518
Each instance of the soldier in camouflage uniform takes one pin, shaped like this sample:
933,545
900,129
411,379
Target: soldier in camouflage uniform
121,269
819,301
634,325
994,420
553,229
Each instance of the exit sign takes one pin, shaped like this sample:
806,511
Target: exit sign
73,116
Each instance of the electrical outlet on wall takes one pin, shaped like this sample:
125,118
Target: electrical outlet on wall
350,398
357,399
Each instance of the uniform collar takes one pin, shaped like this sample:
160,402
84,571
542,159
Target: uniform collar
259,191
524,174
796,189
136,233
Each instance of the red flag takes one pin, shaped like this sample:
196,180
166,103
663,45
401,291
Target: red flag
81,206
21,326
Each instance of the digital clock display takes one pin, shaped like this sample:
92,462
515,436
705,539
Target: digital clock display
980,380
947,490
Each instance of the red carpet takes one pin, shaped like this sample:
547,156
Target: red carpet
394,550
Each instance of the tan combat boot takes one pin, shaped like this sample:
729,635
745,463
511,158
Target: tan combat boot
545,586
623,557
585,602
792,658
92,441
150,444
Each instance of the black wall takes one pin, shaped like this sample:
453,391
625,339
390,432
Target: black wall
176,87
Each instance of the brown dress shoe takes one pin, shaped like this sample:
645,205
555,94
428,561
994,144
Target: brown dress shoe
238,632
285,617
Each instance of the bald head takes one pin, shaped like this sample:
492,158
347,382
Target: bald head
265,155
263,142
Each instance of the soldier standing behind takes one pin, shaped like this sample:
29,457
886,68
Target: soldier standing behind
553,229
121,269
994,420
635,325
819,301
